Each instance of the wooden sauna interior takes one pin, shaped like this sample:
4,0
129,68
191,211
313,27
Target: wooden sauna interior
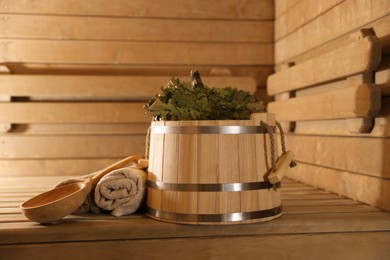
74,76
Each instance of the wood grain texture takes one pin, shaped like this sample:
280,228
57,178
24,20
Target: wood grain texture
170,168
70,147
119,53
311,224
259,73
155,170
366,126
22,26
202,9
349,102
335,23
357,57
382,77
208,201
371,190
81,129
4,127
301,13
362,155
72,112
282,6
228,170
188,169
103,87
361,246
377,127
379,27
53,167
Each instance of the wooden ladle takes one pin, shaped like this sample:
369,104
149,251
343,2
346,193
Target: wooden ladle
55,204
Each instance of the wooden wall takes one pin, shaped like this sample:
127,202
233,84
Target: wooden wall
75,74
332,91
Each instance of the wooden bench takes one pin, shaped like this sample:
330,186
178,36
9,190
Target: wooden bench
335,105
316,225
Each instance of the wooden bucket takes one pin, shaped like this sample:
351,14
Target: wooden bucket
211,172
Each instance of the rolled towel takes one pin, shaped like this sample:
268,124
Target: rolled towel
122,191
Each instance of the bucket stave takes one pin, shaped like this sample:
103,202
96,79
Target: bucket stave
211,172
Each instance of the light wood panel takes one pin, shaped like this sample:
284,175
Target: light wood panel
64,167
349,102
116,53
303,12
336,246
367,189
379,27
282,6
89,86
259,73
81,129
373,127
72,112
133,29
364,155
356,57
4,127
335,23
198,9
74,147
382,77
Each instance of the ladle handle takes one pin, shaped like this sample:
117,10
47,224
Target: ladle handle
119,164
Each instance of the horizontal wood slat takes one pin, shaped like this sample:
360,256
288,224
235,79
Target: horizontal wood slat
374,127
364,155
379,27
258,72
80,129
70,147
133,29
357,57
69,166
364,246
333,24
300,14
131,87
382,77
282,6
72,112
135,53
367,189
193,9
349,102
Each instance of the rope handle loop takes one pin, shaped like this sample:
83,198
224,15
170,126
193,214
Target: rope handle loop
272,140
147,144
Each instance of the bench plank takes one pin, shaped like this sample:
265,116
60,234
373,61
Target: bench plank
72,112
89,86
349,102
135,53
357,57
133,29
198,9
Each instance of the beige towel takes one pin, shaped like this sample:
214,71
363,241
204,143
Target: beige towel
122,191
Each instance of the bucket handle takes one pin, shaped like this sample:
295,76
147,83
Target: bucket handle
285,160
